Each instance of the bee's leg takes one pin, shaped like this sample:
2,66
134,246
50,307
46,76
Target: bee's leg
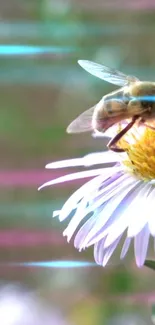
112,143
142,122
149,126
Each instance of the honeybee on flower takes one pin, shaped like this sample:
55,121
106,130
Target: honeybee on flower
134,101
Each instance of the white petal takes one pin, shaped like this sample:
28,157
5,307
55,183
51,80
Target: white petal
152,182
109,251
71,203
99,251
109,187
100,158
125,247
141,245
74,199
83,233
137,213
108,210
76,219
65,163
98,202
103,157
98,134
116,231
56,213
74,176
121,224
151,216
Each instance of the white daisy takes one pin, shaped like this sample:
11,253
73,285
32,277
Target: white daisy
119,200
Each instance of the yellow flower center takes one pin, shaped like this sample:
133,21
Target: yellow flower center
140,151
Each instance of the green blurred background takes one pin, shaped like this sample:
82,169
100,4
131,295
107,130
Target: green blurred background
42,89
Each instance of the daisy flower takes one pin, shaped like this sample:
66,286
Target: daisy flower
118,201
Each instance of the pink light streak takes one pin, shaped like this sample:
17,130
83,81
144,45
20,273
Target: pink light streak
26,238
30,178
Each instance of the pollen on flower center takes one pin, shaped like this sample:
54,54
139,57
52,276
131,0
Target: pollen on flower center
140,150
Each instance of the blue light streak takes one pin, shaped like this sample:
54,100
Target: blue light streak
54,264
31,50
146,98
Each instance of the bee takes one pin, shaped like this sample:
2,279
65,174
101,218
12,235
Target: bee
132,102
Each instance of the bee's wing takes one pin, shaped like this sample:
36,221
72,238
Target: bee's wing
108,74
83,123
